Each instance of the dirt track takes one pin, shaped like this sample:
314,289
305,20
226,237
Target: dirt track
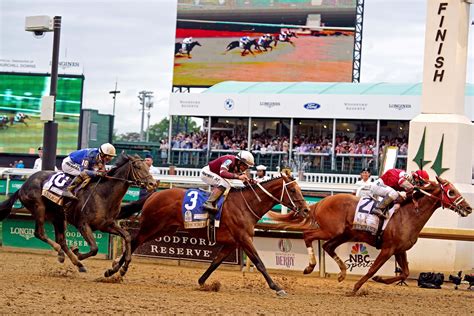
33,283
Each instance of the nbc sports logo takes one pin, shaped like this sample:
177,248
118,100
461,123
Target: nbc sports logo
229,104
359,257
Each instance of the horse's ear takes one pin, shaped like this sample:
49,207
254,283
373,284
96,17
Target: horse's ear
440,180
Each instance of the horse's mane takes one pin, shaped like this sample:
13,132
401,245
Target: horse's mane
121,160
247,187
418,195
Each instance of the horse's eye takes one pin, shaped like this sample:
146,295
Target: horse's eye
451,194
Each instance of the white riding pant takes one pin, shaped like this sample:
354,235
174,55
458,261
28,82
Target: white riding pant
70,167
213,179
378,188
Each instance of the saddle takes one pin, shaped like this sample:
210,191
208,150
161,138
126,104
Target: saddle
54,187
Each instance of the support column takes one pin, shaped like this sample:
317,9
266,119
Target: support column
440,139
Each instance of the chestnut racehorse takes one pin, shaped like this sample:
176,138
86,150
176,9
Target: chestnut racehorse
161,215
334,215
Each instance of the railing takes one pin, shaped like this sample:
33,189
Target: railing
301,161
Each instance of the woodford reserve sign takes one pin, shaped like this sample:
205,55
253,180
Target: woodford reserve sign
182,246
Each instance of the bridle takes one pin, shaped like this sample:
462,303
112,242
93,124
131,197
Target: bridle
136,179
445,192
284,191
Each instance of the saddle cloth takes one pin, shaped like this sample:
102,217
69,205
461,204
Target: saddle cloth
54,187
194,214
365,220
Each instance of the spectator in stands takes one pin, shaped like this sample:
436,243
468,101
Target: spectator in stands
39,160
164,151
364,183
261,174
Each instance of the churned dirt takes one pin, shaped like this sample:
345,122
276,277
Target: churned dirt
35,283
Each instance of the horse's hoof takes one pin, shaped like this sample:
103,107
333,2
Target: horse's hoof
61,258
108,273
282,293
341,277
82,269
123,272
308,269
377,278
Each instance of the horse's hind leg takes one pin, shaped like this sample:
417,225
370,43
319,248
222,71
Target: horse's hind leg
403,263
221,255
309,237
383,256
88,235
59,231
115,229
330,247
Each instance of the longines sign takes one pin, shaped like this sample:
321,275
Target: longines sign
182,246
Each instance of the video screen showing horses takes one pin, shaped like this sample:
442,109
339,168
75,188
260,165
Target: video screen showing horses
21,130
263,40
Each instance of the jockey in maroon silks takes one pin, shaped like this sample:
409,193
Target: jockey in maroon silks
393,181
225,167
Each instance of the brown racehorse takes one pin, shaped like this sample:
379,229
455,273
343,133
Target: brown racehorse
161,215
334,216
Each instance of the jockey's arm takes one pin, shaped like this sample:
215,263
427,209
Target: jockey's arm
406,185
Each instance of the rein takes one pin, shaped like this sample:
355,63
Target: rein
136,181
452,203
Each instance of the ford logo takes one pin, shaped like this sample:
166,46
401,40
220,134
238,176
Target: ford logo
312,106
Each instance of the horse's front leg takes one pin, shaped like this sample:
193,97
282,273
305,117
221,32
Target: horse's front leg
249,248
383,256
403,263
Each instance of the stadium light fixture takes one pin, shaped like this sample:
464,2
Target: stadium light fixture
39,25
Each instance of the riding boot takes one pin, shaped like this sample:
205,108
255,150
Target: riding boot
68,193
216,193
381,209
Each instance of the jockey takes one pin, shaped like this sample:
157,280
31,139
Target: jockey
19,117
262,39
244,40
85,164
225,167
261,174
283,36
392,181
186,42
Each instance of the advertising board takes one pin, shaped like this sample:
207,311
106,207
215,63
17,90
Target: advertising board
183,246
21,130
289,40
20,233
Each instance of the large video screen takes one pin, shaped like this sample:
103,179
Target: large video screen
21,130
288,40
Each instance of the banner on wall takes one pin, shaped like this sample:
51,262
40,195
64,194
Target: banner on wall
358,258
284,253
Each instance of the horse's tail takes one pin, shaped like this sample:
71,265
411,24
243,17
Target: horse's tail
292,221
6,206
131,208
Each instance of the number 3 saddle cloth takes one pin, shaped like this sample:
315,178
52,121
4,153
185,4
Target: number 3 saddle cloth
194,215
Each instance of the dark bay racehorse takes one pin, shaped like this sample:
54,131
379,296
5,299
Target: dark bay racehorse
242,209
247,47
97,206
267,43
4,120
334,216
178,48
286,40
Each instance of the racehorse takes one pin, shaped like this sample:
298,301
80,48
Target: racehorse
97,206
178,48
267,43
21,119
247,46
4,120
331,219
287,39
161,215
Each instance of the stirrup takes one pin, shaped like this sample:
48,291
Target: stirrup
69,195
380,213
